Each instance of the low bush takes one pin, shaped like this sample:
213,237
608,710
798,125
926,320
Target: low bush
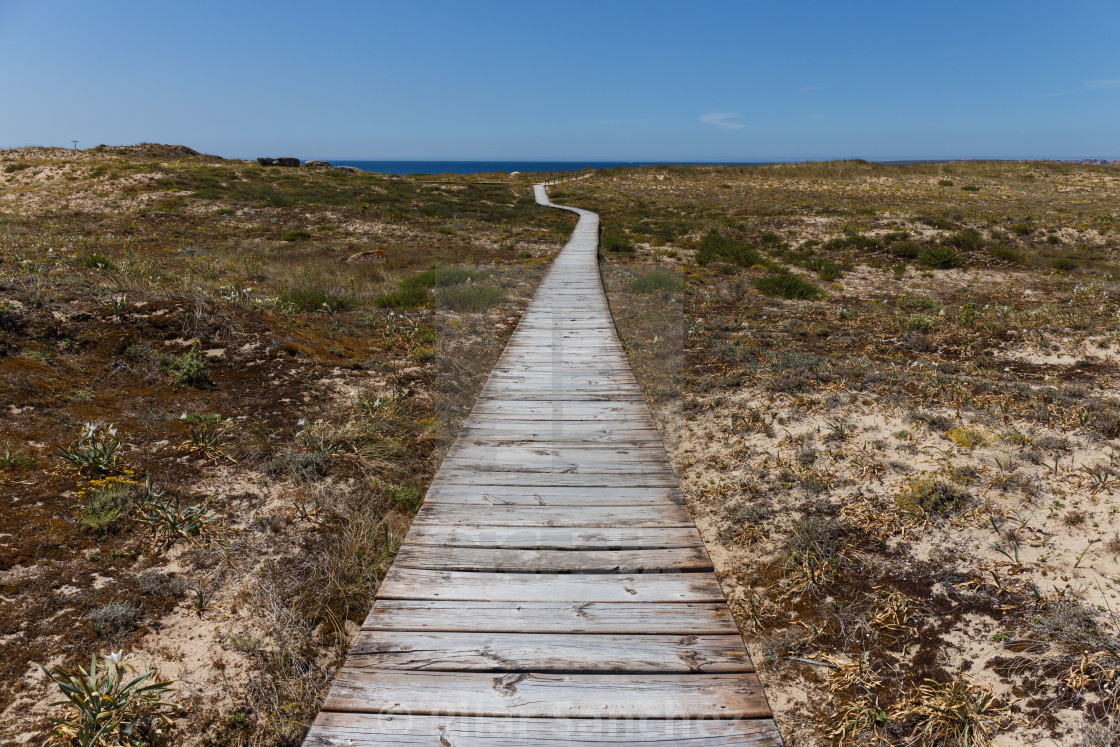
308,298
95,261
787,285
826,269
113,618
473,298
934,220
967,240
614,241
190,368
853,242
296,234
417,290
1063,264
1006,253
715,246
905,249
926,495
657,281
940,258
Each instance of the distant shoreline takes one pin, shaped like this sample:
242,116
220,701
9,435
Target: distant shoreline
507,167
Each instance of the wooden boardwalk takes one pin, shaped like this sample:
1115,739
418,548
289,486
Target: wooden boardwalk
553,588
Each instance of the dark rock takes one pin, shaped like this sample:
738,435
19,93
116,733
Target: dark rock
289,162
351,169
316,164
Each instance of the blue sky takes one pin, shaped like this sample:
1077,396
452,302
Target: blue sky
488,79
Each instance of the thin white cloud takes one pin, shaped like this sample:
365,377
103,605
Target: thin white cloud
1096,85
1089,85
722,119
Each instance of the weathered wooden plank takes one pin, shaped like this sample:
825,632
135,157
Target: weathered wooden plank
553,538
555,516
560,395
536,652
513,460
378,730
517,495
553,561
552,571
535,695
414,583
651,452
507,439
553,430
590,618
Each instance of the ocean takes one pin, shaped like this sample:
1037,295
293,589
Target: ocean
486,167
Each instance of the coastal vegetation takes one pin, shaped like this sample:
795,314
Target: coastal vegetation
225,387
889,393
892,403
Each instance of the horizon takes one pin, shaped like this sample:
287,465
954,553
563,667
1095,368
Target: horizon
651,82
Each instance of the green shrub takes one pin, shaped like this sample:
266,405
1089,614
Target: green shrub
826,269
406,296
928,495
190,368
95,261
314,298
105,502
716,246
920,323
1006,253
945,183
854,242
444,276
416,290
923,303
296,234
970,188
1063,264
657,281
1023,228
934,220
12,168
473,298
772,241
967,240
787,285
940,258
405,496
905,249
614,241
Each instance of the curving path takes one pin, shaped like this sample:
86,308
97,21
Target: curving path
553,589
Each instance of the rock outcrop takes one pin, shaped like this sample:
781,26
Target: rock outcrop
289,162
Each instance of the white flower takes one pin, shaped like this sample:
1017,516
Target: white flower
301,422
183,416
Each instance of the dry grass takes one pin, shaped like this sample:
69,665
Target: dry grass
910,480
262,432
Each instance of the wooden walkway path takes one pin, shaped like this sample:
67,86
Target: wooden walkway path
553,588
